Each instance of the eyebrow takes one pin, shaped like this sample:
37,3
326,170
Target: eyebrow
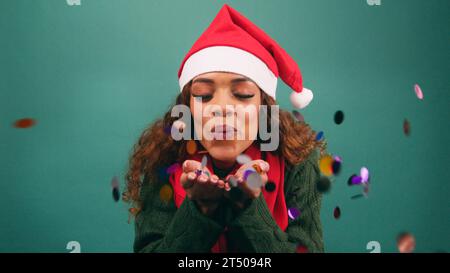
210,81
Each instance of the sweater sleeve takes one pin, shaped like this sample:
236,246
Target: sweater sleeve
161,227
255,230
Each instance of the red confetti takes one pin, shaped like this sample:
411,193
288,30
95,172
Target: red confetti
302,249
337,213
24,123
406,127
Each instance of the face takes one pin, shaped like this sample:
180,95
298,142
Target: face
225,111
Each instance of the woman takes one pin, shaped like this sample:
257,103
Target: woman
223,193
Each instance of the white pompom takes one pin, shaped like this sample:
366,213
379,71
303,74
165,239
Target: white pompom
302,99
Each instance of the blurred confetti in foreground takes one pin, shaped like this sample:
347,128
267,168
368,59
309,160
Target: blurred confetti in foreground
254,180
362,179
406,243
406,127
243,159
323,185
319,136
418,91
330,165
293,213
172,168
270,186
115,188
302,249
24,123
338,117
191,147
299,117
337,213
165,193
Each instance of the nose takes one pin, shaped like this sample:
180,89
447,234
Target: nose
222,103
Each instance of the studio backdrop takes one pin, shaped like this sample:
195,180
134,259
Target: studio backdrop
80,81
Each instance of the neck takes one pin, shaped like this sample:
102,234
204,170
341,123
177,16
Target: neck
223,165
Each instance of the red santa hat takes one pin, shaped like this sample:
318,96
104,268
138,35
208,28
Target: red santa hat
232,43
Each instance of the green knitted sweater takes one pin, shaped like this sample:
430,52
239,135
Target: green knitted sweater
161,227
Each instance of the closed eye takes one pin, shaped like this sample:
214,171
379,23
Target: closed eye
203,97
244,96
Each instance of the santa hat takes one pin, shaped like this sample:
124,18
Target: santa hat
232,43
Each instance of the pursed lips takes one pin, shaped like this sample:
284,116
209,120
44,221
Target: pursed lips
223,129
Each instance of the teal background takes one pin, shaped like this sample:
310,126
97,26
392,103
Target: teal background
95,75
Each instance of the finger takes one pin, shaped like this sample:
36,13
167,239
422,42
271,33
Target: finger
191,166
263,165
187,179
264,178
227,187
252,193
214,179
202,178
221,184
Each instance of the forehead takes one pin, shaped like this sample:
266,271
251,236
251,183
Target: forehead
219,77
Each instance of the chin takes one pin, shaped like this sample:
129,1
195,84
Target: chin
223,151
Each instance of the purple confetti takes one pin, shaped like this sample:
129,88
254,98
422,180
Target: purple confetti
293,213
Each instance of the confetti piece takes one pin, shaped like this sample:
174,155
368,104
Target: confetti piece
356,180
293,213
204,162
337,213
323,185
406,127
167,129
325,163
357,196
298,116
243,159
350,180
115,182
191,147
116,194
302,249
257,168
366,189
406,243
233,181
198,172
254,181
338,117
418,91
270,186
247,173
319,136
24,123
172,168
165,193
364,173
115,189
336,167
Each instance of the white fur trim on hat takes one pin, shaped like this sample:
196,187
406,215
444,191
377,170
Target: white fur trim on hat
229,59
301,99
